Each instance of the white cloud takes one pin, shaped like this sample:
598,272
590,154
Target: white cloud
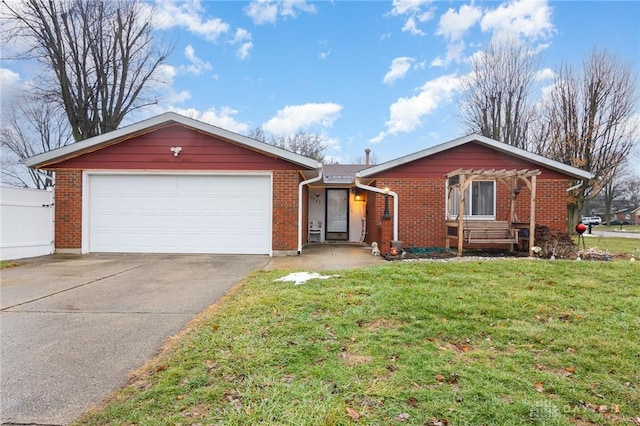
411,27
293,117
10,85
188,15
406,113
454,53
326,51
197,65
545,74
398,69
223,117
402,7
262,12
527,18
415,11
267,11
242,40
453,25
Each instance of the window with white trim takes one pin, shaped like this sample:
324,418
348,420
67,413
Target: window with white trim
480,200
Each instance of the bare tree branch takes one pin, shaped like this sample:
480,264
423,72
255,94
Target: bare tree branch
32,127
100,56
590,117
309,145
495,94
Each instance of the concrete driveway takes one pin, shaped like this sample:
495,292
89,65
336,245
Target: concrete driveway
73,327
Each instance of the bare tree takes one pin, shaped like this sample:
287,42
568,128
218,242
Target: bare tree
614,190
32,127
496,93
310,145
590,117
98,57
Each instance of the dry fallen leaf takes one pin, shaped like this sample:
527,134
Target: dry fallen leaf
402,417
353,414
412,402
437,422
539,386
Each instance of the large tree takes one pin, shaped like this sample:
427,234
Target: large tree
591,122
32,127
310,145
98,57
495,100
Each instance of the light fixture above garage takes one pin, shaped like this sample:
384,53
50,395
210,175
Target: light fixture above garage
176,150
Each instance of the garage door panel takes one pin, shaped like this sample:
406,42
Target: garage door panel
180,214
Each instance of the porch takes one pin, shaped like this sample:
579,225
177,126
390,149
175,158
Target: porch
463,227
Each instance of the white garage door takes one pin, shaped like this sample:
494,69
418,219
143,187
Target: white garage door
146,213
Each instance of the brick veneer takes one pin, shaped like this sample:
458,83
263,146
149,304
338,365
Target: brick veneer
421,205
285,210
68,210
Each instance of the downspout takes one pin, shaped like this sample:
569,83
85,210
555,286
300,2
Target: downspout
300,186
383,192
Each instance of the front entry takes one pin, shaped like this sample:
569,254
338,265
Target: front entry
337,219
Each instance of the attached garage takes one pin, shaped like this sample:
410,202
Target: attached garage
169,213
171,184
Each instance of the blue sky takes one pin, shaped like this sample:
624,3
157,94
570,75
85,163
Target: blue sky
364,74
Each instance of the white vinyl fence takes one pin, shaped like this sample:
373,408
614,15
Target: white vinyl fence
26,223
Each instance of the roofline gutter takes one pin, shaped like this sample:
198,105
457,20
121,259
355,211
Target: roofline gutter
300,186
575,186
383,192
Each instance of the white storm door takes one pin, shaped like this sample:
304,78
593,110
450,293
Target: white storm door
337,214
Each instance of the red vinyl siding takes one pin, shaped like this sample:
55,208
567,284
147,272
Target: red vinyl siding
467,156
151,151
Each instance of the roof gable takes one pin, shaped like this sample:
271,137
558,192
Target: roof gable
483,141
141,128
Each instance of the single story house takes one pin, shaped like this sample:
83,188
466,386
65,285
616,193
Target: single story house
630,215
172,184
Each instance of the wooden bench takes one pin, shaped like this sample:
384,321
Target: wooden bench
489,232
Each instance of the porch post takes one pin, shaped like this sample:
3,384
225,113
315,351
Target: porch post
461,214
532,217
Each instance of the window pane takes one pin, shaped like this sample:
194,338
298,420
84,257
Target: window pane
482,198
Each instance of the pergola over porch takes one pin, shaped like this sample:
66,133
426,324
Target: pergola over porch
462,178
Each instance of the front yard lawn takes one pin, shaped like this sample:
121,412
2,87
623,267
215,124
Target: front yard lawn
624,247
479,342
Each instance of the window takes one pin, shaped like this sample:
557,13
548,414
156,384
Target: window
480,200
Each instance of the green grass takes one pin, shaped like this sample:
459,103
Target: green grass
622,246
624,228
7,264
503,342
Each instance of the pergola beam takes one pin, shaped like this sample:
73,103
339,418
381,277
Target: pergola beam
510,179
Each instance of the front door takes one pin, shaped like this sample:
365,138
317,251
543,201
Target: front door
337,219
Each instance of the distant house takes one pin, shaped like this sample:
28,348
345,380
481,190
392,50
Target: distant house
171,184
635,215
632,215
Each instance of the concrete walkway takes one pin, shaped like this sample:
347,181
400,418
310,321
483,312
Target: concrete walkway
327,257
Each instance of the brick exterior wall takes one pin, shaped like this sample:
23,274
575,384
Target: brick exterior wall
285,210
421,205
551,203
68,209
